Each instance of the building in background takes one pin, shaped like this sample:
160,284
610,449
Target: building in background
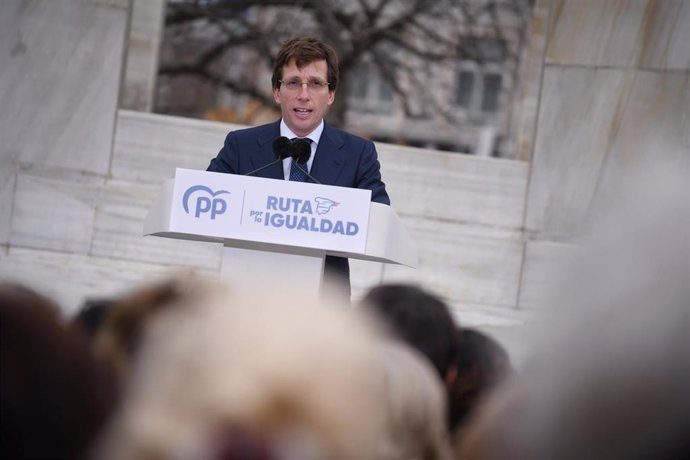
439,75
472,106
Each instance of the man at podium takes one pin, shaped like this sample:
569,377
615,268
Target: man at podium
305,79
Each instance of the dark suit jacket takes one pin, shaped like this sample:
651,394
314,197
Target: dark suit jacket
341,159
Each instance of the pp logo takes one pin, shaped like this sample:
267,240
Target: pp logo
323,205
206,201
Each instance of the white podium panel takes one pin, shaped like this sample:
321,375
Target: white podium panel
288,272
278,231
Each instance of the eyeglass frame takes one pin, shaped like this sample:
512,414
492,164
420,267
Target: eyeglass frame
320,85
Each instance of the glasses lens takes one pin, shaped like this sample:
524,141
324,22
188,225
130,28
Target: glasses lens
316,85
293,85
312,85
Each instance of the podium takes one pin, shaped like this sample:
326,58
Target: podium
278,231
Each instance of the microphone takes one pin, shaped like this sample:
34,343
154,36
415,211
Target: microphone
301,152
282,148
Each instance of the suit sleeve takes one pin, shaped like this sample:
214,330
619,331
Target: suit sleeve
369,175
227,160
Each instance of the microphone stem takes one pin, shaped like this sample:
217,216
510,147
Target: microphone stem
263,167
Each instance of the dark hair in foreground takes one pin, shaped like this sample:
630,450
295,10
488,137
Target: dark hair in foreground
417,317
91,317
481,364
54,398
305,50
119,338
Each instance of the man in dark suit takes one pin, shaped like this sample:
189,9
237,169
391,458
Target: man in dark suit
305,79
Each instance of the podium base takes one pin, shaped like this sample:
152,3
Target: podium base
281,271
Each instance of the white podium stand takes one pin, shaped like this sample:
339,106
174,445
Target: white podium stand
278,231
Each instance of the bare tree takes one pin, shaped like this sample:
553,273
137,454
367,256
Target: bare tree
403,39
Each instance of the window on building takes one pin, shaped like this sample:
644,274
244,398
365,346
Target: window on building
485,49
491,92
463,94
385,91
369,91
358,86
479,79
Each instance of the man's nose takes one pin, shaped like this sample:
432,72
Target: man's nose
303,91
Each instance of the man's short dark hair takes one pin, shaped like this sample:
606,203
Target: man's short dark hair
305,50
417,317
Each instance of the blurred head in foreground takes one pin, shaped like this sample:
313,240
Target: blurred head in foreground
118,336
221,373
614,383
415,402
481,363
54,398
418,318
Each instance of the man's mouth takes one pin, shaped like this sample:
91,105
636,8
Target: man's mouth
303,113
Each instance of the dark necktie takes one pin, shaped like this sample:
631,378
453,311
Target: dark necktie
296,174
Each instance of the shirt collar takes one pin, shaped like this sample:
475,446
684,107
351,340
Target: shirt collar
314,135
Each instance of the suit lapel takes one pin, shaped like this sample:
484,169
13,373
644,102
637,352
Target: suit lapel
264,154
329,159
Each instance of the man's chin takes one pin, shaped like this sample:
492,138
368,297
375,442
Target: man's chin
302,127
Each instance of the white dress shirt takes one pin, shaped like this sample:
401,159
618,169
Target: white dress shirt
314,136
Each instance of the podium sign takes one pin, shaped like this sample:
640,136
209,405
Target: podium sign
270,211
278,230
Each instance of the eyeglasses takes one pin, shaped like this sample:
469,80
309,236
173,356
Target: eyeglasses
313,85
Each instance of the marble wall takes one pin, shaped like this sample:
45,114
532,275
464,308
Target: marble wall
59,78
638,34
60,67
141,65
60,70
614,112
527,100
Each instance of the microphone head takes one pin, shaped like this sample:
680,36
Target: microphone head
301,150
282,147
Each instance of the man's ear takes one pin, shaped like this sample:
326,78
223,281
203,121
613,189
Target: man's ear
331,97
276,95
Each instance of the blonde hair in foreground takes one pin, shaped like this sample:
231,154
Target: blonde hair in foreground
299,379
